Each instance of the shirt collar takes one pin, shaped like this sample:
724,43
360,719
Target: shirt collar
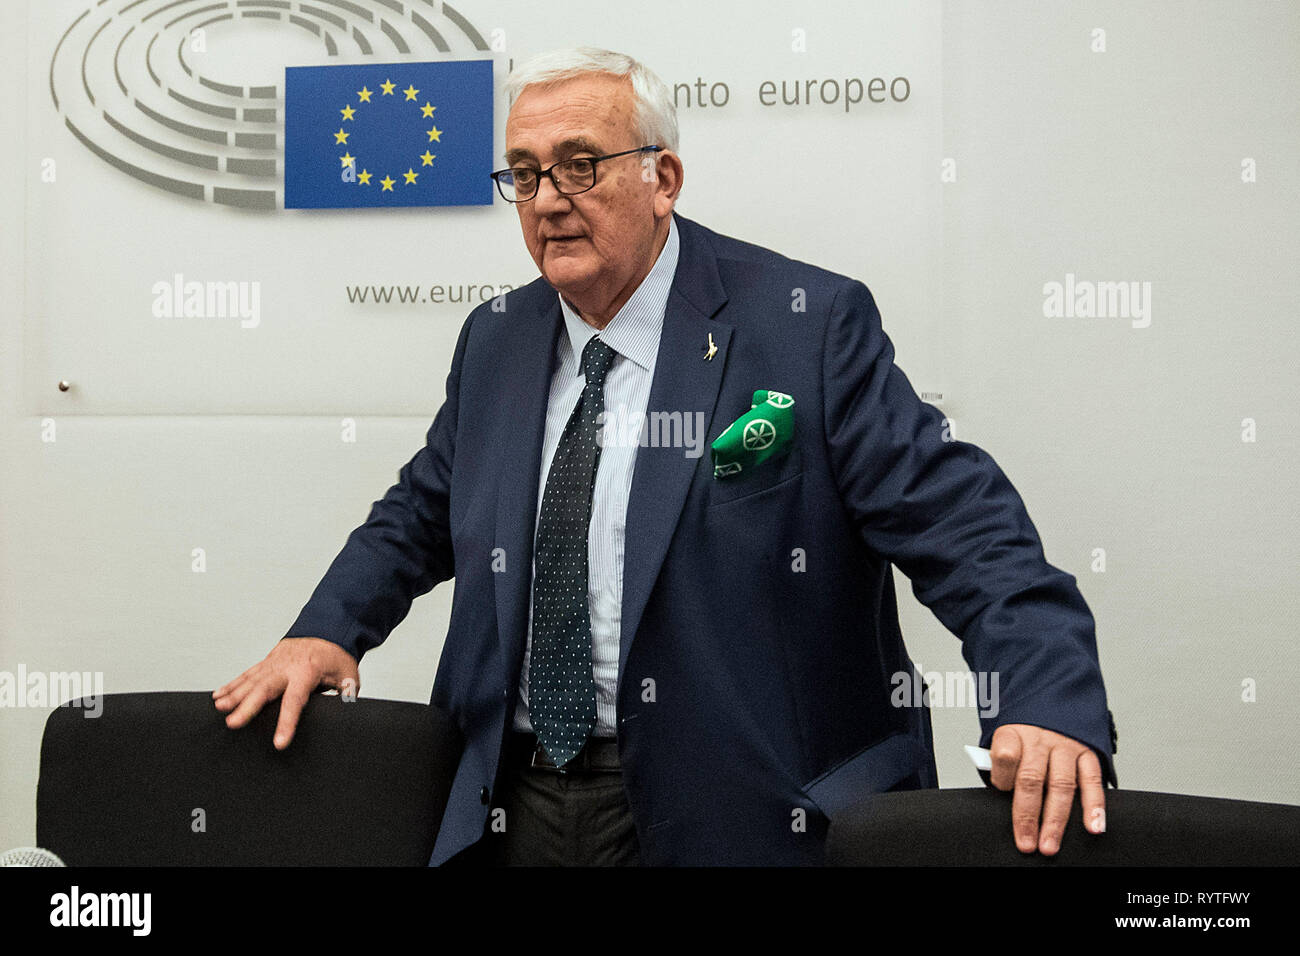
634,330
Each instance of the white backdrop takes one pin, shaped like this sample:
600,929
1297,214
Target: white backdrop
310,350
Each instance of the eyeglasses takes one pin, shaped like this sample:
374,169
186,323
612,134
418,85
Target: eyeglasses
570,177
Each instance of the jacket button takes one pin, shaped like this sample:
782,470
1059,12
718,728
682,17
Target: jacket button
484,796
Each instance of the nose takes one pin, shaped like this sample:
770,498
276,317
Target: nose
549,200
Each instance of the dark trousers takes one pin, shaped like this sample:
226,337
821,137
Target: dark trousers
543,818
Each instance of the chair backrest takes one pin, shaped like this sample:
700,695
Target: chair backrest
973,828
158,779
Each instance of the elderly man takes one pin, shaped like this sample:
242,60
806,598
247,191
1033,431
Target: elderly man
662,656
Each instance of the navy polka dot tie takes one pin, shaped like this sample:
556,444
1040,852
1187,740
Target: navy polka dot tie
561,687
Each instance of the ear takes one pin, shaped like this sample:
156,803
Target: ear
669,173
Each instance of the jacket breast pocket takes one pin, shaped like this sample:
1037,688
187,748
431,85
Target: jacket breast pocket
767,476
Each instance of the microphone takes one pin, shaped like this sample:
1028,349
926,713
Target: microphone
29,856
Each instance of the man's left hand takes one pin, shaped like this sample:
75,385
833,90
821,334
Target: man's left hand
1032,760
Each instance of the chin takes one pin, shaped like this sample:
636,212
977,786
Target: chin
567,274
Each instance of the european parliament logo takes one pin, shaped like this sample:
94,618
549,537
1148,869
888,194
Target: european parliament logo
388,134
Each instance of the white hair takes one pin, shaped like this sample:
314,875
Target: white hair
655,115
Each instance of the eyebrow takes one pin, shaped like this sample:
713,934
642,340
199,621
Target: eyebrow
566,148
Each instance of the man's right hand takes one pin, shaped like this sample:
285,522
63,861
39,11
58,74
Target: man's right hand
295,668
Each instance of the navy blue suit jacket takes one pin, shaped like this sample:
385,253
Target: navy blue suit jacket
759,628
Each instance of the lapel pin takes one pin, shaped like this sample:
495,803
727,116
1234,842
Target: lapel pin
713,350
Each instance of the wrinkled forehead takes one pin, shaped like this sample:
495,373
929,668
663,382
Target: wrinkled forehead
591,113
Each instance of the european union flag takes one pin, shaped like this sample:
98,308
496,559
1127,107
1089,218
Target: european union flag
388,134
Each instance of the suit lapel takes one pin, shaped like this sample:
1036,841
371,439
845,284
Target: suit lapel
684,382
526,367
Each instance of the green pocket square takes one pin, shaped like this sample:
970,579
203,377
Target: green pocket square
763,432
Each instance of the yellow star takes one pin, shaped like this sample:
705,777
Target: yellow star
435,134
348,160
387,183
410,92
363,178
410,176
340,137
427,158
426,110
387,87
364,95
347,112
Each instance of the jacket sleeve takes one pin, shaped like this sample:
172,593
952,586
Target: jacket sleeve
401,551
947,516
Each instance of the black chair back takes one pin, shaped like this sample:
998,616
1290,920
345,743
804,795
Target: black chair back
973,828
159,780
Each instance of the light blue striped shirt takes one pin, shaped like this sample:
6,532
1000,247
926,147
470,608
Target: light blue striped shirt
634,334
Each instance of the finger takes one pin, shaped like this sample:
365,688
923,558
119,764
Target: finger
1092,791
1027,801
252,703
223,689
295,697
236,692
1060,798
1004,752
227,687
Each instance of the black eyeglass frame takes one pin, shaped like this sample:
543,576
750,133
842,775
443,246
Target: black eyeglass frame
496,176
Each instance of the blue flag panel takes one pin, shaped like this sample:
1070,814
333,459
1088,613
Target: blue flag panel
388,134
